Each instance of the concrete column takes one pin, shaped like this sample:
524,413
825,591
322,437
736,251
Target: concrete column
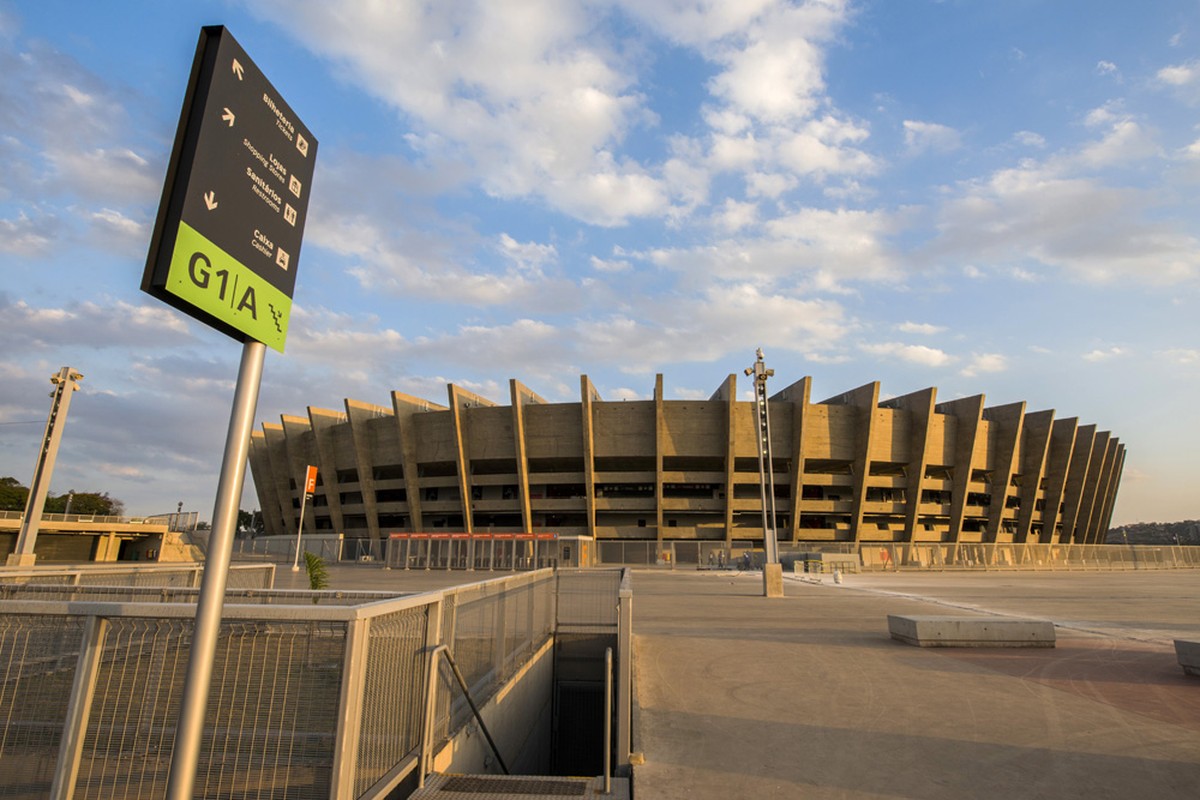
728,393
1081,456
919,406
588,394
323,422
302,451
1034,448
1008,420
968,413
359,414
659,445
460,401
518,394
405,408
280,516
865,399
1110,498
799,395
1058,463
1098,473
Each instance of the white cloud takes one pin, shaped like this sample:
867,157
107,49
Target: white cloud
822,148
922,137
912,353
521,93
1105,354
105,324
722,320
527,257
1047,214
985,362
923,328
1180,74
25,236
768,185
733,216
610,265
1029,139
1181,355
1106,68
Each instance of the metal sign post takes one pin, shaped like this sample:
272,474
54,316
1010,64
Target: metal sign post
310,486
225,249
194,703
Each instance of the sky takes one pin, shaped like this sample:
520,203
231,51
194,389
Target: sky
986,197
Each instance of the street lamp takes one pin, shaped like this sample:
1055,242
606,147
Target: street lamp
766,470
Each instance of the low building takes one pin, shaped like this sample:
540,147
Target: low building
849,469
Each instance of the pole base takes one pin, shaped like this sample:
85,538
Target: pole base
295,567
21,559
772,580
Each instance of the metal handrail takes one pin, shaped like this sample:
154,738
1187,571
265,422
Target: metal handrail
430,700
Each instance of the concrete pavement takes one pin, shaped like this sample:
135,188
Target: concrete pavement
808,696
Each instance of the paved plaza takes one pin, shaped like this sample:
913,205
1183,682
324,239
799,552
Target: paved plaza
808,696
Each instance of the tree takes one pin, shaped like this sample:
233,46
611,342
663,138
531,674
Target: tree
86,503
13,495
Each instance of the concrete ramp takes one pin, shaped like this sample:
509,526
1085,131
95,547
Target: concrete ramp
521,787
949,631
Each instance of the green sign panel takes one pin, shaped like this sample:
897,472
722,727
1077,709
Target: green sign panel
218,284
226,243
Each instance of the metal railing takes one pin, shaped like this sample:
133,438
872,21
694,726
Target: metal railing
884,556
481,551
317,697
101,519
282,549
1049,557
241,576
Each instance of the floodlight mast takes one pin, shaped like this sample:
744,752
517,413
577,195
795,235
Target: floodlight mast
66,383
766,470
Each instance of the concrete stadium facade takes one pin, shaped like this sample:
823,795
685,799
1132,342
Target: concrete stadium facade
851,469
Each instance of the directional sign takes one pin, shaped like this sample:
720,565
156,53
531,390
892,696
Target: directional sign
226,243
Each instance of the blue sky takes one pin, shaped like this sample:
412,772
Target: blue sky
985,197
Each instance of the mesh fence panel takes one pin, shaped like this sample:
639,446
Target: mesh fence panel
587,600
127,746
393,698
38,656
273,711
269,725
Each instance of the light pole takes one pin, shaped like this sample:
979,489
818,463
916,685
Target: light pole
772,571
66,383
766,471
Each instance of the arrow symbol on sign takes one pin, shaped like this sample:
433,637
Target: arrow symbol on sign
210,200
228,117
237,69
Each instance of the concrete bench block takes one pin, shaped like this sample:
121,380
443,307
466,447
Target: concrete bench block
1188,654
945,631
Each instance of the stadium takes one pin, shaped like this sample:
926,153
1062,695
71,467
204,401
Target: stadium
851,469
